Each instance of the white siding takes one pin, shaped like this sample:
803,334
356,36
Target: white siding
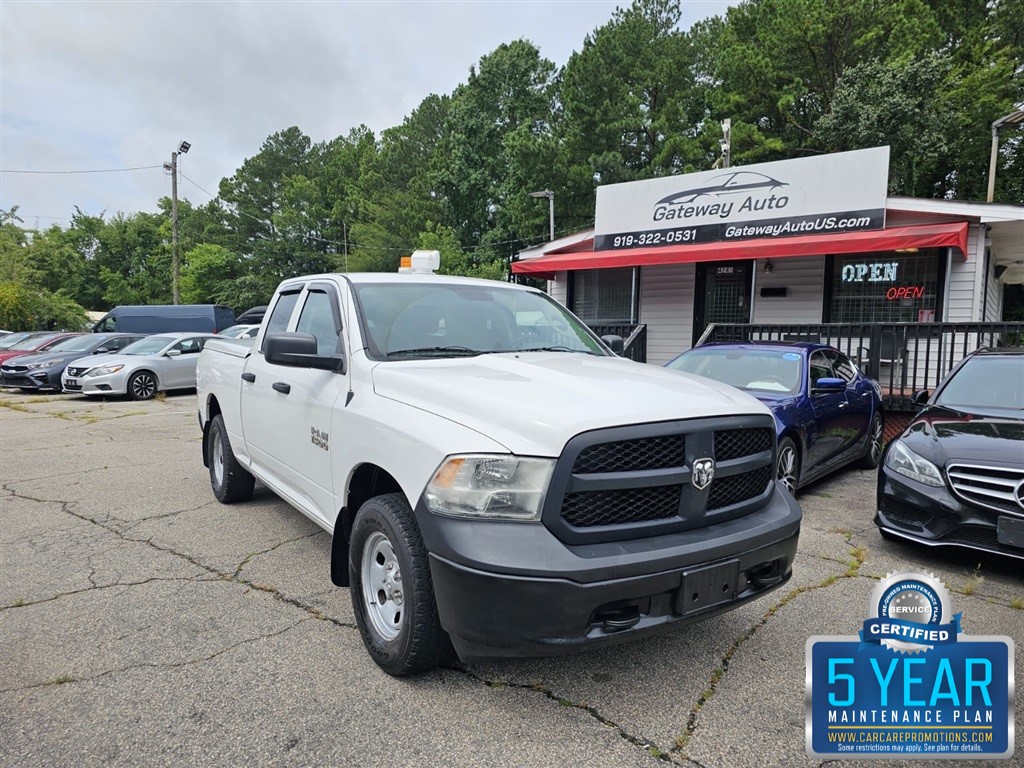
559,287
803,278
666,306
964,282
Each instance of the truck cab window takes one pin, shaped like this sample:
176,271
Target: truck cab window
318,319
282,312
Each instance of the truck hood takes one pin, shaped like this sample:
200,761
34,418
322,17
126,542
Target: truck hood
534,402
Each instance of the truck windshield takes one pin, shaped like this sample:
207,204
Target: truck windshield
424,320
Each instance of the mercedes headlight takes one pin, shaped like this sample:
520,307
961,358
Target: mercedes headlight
904,461
498,487
104,370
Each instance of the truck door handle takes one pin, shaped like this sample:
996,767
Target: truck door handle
250,377
280,386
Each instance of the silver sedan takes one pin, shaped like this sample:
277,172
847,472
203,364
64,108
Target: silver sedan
140,370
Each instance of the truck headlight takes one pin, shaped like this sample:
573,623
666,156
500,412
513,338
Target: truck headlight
904,461
104,370
497,487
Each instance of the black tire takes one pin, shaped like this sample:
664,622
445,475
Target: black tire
229,479
876,438
142,385
401,629
787,466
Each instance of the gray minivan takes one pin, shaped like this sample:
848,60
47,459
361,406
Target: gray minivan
166,318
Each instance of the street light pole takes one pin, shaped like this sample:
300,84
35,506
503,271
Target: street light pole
183,148
1014,118
551,210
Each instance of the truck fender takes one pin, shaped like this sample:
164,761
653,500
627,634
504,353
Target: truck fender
368,480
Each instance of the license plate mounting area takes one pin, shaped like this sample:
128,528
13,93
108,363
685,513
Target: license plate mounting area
708,586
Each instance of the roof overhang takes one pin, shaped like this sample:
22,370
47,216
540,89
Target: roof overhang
911,238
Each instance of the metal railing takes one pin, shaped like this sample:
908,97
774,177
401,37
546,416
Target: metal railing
903,357
634,337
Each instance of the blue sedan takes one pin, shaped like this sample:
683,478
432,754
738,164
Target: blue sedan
827,413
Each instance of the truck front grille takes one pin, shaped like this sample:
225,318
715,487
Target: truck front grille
624,505
631,455
629,482
726,491
733,443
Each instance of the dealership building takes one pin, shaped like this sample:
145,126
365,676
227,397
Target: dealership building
807,249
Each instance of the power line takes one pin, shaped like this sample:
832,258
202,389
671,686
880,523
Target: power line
98,170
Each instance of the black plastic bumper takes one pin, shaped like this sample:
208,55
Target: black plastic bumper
935,517
27,380
515,590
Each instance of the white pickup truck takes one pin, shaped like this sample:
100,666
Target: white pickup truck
495,479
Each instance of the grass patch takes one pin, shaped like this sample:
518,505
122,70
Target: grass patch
61,680
160,397
974,581
1017,603
15,406
19,602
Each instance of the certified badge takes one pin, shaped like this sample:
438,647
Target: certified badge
911,684
910,613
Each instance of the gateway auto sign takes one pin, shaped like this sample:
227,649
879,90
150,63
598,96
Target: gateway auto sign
843,192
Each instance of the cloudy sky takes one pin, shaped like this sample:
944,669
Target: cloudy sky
97,85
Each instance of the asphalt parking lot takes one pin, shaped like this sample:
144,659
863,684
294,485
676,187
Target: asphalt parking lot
143,623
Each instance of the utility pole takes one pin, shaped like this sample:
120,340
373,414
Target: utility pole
183,148
551,210
726,142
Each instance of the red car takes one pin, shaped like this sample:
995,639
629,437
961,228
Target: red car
34,344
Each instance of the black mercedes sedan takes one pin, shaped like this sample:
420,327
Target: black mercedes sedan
42,370
956,474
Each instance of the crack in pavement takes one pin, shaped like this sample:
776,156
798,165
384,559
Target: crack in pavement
253,555
66,507
857,556
96,587
645,744
153,665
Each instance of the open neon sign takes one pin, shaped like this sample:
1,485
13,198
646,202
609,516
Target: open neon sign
905,292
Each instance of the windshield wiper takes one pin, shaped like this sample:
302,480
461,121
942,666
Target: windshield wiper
555,349
460,351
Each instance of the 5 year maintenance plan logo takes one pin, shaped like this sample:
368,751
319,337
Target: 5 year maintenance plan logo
912,684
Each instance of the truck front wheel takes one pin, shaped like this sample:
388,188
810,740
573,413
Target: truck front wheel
392,593
229,479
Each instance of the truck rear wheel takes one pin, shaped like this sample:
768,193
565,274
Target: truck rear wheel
392,593
229,480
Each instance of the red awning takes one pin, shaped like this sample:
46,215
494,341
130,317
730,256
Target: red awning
894,239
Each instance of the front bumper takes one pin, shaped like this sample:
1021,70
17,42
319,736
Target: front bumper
511,589
41,378
935,517
111,384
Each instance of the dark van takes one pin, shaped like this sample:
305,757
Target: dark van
166,318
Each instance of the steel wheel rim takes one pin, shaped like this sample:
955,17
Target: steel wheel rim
143,386
217,458
383,595
787,467
876,440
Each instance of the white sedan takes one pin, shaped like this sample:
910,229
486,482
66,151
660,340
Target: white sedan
150,365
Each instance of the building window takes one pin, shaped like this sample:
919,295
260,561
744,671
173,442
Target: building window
605,296
885,288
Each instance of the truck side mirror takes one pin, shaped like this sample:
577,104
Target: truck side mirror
299,350
615,343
